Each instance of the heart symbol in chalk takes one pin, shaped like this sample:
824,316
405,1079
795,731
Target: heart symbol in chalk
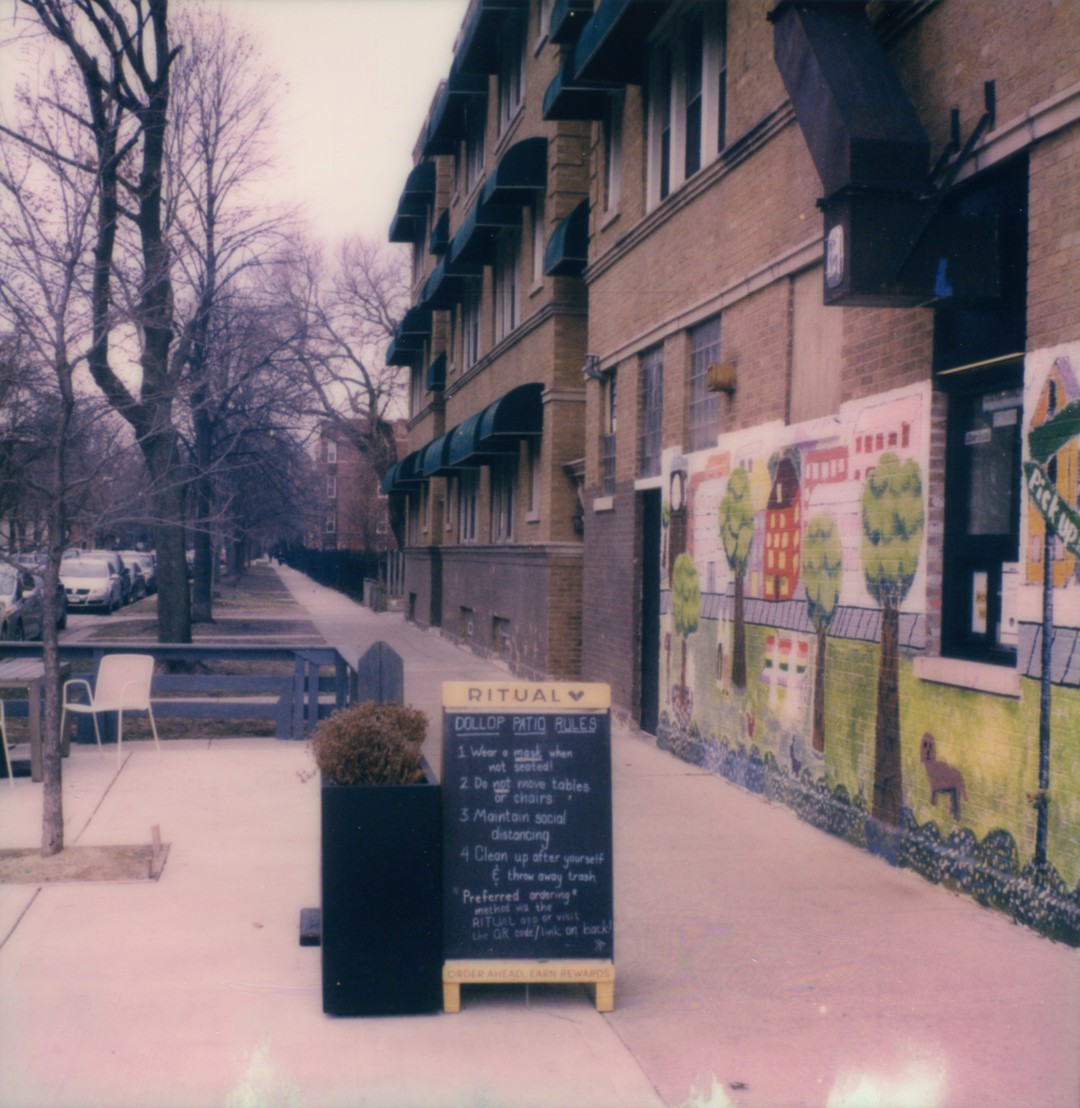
577,695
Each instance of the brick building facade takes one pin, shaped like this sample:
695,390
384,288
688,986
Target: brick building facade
824,305
348,511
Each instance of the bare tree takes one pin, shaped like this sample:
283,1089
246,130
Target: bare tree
221,110
123,55
47,204
343,314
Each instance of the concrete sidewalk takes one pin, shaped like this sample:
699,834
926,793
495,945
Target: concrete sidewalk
760,962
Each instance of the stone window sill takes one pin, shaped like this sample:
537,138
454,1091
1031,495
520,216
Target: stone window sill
603,504
965,674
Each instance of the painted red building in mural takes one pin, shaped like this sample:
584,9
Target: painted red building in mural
783,533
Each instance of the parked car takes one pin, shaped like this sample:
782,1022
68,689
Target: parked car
21,613
61,596
91,583
144,559
116,563
138,583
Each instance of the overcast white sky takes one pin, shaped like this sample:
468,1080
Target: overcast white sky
360,75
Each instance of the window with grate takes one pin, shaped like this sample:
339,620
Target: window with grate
704,414
652,412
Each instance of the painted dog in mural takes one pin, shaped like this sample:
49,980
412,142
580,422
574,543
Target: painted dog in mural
943,777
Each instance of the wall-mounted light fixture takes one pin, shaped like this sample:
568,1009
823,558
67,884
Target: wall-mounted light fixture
720,377
591,368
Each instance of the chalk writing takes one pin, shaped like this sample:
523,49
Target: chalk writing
527,803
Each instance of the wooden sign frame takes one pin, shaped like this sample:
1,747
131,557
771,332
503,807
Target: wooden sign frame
501,740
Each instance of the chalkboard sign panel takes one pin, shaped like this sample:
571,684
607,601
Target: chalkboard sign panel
527,821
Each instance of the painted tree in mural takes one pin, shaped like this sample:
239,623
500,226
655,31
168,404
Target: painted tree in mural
736,520
685,613
892,525
821,569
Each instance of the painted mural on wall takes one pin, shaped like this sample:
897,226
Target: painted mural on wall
795,608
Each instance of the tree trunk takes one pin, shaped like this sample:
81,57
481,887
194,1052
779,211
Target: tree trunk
174,598
738,646
52,801
819,689
888,777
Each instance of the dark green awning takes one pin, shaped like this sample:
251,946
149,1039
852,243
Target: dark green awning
410,219
517,414
520,174
449,283
612,45
446,127
568,17
433,457
478,235
497,429
569,98
403,475
478,49
414,327
567,251
401,353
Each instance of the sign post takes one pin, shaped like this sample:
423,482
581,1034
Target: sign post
527,866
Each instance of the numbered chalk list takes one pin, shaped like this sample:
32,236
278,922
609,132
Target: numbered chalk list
527,821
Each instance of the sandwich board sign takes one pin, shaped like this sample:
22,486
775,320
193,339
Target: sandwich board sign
527,865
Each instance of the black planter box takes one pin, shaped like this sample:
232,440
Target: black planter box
382,898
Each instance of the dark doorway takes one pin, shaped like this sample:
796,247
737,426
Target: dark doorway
649,714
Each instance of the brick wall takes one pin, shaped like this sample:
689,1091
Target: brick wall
1054,239
610,610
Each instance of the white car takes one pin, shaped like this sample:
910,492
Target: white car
90,583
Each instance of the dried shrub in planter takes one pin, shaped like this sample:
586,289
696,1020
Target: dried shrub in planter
371,744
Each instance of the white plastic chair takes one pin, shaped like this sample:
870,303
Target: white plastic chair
123,685
4,743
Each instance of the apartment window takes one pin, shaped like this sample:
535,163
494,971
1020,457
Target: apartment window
503,482
417,390
331,486
535,473
652,412
511,69
704,415
451,499
613,153
475,124
816,350
693,92
468,495
331,522
538,241
412,521
607,440
470,331
506,284
687,97
331,451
